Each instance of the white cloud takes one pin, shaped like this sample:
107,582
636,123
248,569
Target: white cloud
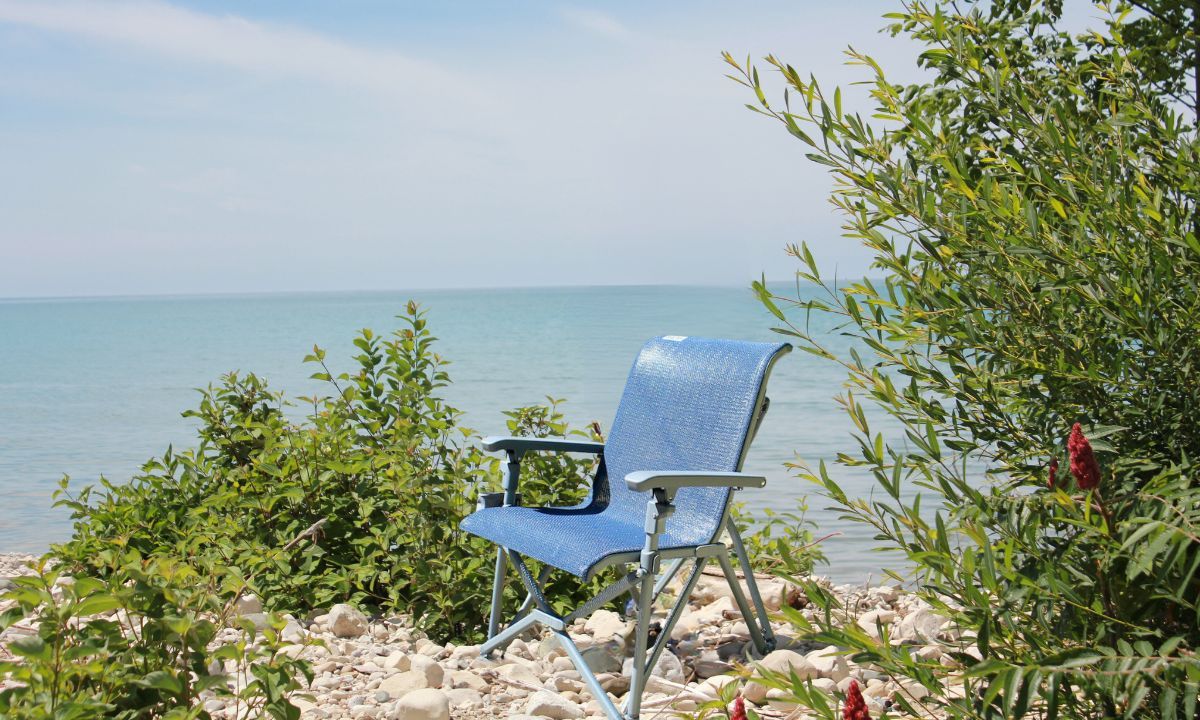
235,42
595,22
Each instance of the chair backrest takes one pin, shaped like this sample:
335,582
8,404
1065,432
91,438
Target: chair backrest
689,404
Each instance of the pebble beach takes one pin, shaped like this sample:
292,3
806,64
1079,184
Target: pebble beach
381,667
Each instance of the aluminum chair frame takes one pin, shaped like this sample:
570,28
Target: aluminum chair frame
647,578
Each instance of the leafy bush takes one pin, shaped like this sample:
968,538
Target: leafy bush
1032,208
358,501
140,642
779,542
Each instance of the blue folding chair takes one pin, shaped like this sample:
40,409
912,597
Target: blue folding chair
690,410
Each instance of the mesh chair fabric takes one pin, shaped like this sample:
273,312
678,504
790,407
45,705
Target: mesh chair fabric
688,405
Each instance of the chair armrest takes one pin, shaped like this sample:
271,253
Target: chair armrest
531,444
670,481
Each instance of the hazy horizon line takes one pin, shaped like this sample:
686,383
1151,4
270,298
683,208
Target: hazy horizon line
376,291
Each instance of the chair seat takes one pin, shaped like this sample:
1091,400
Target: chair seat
577,540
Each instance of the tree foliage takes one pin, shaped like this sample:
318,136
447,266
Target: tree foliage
1031,209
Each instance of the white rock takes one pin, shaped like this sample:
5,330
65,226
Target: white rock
518,648
565,684
780,661
913,690
668,666
930,653
248,604
401,684
465,651
397,661
687,626
716,611
465,679
606,624
464,697
346,622
424,704
547,704
887,593
921,625
661,685
711,687
519,674
825,685
870,621
780,700
293,632
433,672
260,620
829,663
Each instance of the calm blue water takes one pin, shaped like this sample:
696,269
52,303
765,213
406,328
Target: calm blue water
96,386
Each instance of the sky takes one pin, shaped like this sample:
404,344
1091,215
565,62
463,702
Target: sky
152,147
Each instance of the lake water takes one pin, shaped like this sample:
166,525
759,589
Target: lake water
96,386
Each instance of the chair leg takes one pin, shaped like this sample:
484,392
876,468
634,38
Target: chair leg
743,606
657,511
497,592
637,679
676,612
760,610
606,703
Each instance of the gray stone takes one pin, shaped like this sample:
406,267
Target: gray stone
604,658
706,667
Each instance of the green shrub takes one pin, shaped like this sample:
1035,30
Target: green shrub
1032,209
359,501
140,642
779,542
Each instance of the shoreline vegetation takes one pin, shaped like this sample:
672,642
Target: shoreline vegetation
1032,209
